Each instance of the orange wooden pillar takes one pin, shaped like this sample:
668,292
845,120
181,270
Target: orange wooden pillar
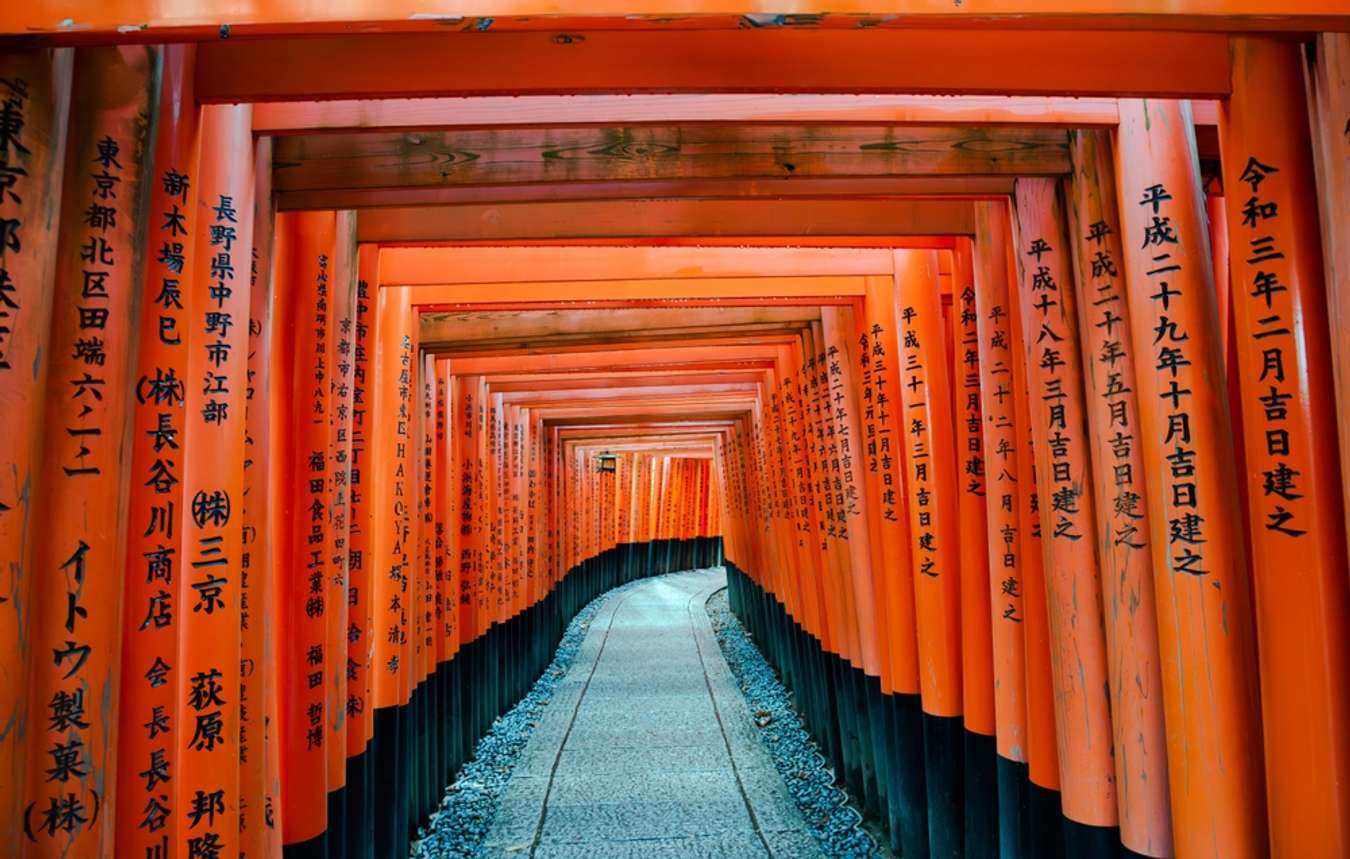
1205,633
390,465
429,721
35,89
926,419
360,596
1003,519
80,493
977,656
304,252
1045,830
342,336
446,613
879,360
855,529
1049,328
1329,104
280,502
1292,465
206,781
259,735
799,537
151,613
831,528
1121,510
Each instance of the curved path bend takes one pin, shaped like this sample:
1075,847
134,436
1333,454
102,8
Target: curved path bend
647,749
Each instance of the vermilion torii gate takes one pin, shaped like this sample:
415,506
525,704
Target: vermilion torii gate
997,348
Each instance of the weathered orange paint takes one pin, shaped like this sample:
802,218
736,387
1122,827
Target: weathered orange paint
80,492
304,251
361,562
884,456
1205,630
930,458
977,655
151,609
1121,510
1049,326
36,82
259,738
337,611
206,780
1002,480
1042,743
1289,422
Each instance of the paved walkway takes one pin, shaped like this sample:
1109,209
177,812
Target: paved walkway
648,750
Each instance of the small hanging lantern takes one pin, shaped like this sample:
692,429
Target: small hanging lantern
607,462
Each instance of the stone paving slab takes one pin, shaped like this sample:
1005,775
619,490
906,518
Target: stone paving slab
647,749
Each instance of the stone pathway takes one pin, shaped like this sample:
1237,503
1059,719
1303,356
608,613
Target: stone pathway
647,749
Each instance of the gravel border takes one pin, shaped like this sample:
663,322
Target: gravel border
459,828
833,819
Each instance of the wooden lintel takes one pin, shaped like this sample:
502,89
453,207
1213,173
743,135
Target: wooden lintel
639,220
81,22
956,187
648,154
777,60
551,111
489,265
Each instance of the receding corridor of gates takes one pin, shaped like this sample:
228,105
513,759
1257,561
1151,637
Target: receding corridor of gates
388,393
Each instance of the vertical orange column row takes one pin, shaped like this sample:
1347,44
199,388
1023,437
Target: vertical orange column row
391,500
392,555
1121,510
1058,426
80,493
280,500
847,448
259,735
467,459
839,591
879,357
801,537
869,456
456,489
831,633
977,668
1205,630
1003,522
1292,463
305,245
151,611
1042,742
212,519
35,96
342,337
438,510
360,566
930,454
977,649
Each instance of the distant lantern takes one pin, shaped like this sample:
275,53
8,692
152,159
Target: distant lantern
608,462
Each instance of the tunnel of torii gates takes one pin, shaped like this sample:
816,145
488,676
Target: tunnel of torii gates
996,349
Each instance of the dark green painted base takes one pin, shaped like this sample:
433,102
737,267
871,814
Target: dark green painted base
938,790
981,810
1014,813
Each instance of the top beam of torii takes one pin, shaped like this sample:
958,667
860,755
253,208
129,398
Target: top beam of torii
191,19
